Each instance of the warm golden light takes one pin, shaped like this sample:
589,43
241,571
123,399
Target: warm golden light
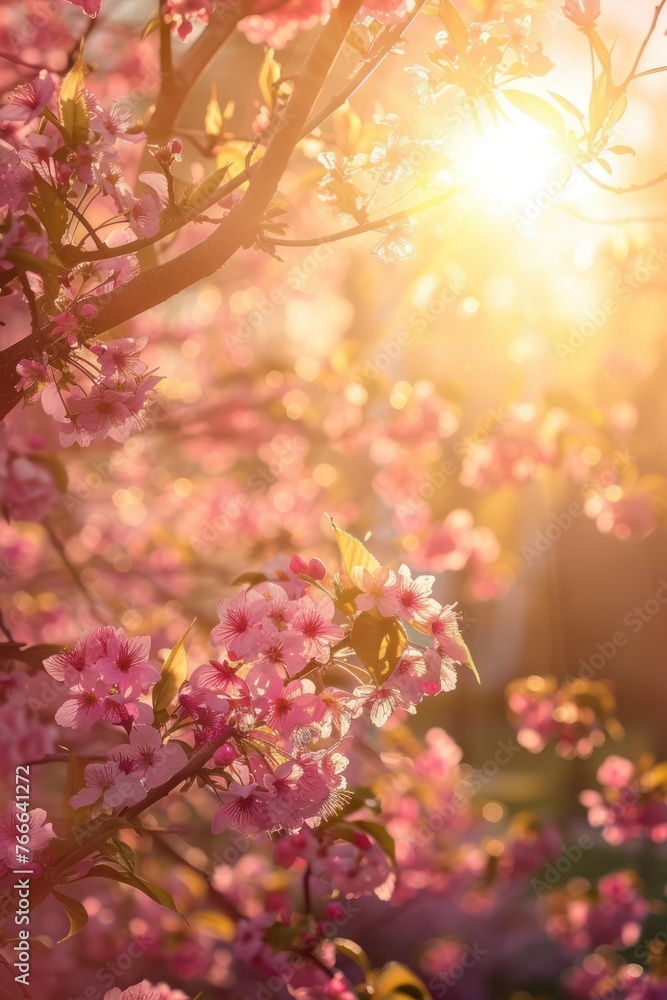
507,164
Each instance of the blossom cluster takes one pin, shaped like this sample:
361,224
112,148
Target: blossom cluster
271,706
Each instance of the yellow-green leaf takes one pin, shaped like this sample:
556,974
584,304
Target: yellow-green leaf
355,953
269,74
150,26
76,911
378,642
72,102
49,209
206,188
174,672
454,25
353,552
469,662
539,110
600,50
154,892
395,981
213,116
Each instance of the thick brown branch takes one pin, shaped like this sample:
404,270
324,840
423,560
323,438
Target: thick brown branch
239,227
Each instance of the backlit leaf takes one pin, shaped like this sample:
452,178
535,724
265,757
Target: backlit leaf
154,892
76,911
539,110
378,642
174,672
454,25
72,103
269,74
353,552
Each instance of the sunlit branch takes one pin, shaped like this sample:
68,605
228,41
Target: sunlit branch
367,227
642,186
642,47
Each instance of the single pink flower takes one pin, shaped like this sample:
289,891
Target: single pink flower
445,630
39,835
413,599
378,590
85,705
120,358
124,662
147,757
28,100
583,13
616,772
109,782
239,627
313,621
243,808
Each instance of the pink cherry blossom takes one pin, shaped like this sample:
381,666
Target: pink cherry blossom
238,630
85,704
148,757
314,622
243,808
413,602
120,358
124,662
378,590
583,13
39,835
445,631
28,100
109,782
143,990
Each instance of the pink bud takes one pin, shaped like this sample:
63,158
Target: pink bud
362,841
297,565
224,755
317,569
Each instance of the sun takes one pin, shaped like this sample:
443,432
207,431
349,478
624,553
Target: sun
507,165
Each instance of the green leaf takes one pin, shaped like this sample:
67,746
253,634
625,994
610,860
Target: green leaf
568,105
76,911
174,672
213,117
124,853
355,953
454,25
206,188
353,552
539,110
50,209
380,834
252,578
72,102
378,642
150,26
608,104
395,981
154,892
269,74
600,51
